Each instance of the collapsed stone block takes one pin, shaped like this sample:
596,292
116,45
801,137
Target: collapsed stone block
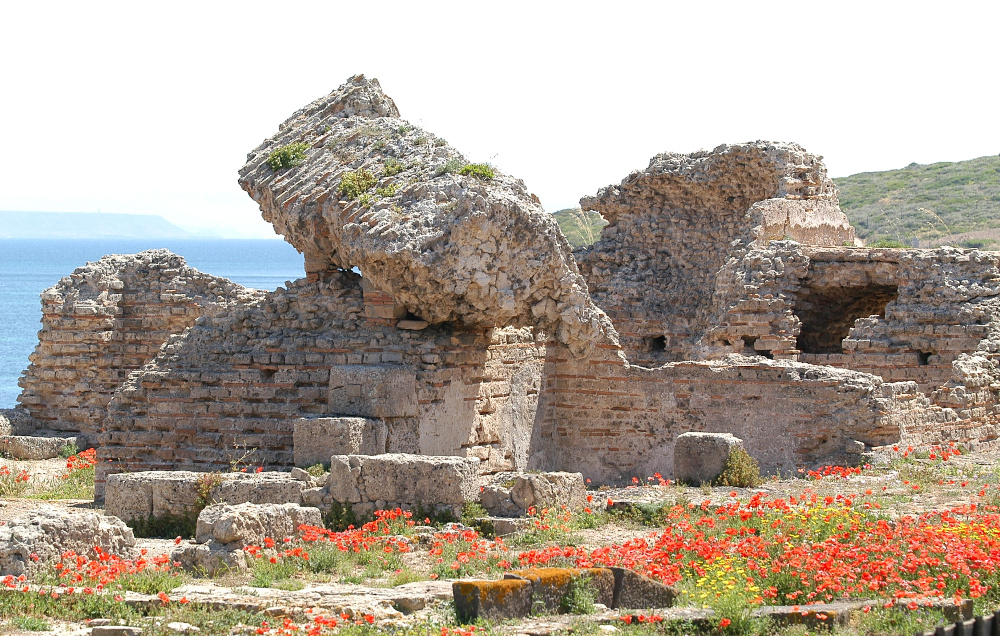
701,457
549,586
49,531
315,439
133,496
550,490
399,479
209,559
32,447
373,391
635,591
16,421
492,600
240,525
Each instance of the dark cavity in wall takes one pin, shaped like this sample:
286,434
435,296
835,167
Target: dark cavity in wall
828,313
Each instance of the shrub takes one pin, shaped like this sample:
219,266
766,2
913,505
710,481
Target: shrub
69,450
387,190
741,471
452,165
393,167
889,243
580,596
480,171
287,156
354,184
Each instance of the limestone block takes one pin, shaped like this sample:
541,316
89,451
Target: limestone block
31,447
258,488
492,600
176,493
344,483
397,477
209,559
550,585
240,525
315,439
128,496
16,421
497,501
49,531
549,490
635,591
701,457
379,390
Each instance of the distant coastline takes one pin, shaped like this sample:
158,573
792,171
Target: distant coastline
98,225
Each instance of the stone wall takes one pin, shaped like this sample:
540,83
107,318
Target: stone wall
104,321
673,226
235,384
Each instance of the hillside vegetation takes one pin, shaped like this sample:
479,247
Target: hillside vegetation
580,228
940,203
919,205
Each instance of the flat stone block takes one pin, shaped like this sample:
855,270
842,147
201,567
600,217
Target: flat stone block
402,478
635,591
701,457
550,585
316,439
31,447
376,390
492,600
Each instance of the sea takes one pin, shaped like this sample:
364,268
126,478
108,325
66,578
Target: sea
29,266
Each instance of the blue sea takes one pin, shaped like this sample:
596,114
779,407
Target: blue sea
29,266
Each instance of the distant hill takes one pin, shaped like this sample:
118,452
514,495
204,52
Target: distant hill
580,228
87,225
940,203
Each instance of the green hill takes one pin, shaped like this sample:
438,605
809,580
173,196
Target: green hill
954,203
580,228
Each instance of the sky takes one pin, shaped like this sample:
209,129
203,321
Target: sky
151,108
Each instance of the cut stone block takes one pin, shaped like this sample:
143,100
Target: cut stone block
492,600
316,439
550,490
550,585
31,447
380,391
635,591
240,525
132,496
398,477
701,457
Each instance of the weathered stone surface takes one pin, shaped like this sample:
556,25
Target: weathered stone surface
240,525
497,501
48,532
105,319
634,591
549,490
701,457
448,247
33,447
316,439
550,585
16,421
209,559
492,600
398,479
373,391
131,496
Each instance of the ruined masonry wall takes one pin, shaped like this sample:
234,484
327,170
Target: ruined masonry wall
232,386
612,422
673,225
104,321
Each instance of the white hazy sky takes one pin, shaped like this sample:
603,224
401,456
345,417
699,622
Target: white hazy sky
150,108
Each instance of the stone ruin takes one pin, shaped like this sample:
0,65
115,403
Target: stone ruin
444,314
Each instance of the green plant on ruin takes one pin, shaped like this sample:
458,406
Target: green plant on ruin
241,457
69,450
165,526
889,243
420,141
451,166
354,184
440,142
366,199
481,171
392,167
340,517
580,596
741,471
317,470
387,190
287,156
203,490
